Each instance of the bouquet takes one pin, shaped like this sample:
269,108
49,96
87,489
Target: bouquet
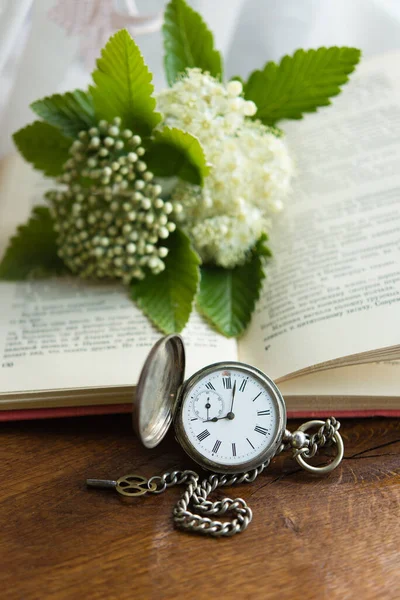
174,195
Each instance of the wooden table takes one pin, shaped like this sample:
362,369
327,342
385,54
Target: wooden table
335,537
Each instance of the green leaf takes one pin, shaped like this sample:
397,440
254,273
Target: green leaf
188,42
123,85
44,146
174,152
227,297
300,83
70,112
237,78
32,252
167,298
261,248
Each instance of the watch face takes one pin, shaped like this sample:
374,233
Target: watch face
232,417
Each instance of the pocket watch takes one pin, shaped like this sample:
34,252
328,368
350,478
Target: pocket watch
230,418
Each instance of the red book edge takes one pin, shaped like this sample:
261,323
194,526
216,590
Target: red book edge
80,411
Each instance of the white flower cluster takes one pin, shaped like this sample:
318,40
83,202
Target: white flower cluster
110,217
250,173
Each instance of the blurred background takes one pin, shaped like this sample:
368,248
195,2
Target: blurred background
49,46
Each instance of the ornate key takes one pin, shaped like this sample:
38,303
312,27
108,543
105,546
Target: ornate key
128,485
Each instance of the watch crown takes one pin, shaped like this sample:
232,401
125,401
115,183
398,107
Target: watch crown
299,440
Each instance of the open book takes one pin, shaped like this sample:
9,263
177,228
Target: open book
327,327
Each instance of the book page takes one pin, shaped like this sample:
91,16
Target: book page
333,286
65,333
379,380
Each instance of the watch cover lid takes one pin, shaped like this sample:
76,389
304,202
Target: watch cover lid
157,390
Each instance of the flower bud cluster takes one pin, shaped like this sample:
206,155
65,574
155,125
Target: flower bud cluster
109,215
251,168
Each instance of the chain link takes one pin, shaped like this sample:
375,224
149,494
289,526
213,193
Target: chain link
194,510
323,437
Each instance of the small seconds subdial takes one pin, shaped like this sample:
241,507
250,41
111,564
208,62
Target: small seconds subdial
208,405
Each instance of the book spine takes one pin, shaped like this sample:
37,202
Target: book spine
80,411
55,413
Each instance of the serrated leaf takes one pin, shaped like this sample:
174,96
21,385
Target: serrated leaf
300,83
123,85
70,112
261,247
44,146
32,252
174,152
227,297
188,42
167,298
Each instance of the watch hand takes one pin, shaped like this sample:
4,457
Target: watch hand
228,416
233,395
231,414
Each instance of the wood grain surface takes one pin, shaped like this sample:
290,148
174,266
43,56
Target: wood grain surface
333,537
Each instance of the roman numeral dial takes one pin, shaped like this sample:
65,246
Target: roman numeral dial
216,446
229,417
243,384
203,435
261,430
227,383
